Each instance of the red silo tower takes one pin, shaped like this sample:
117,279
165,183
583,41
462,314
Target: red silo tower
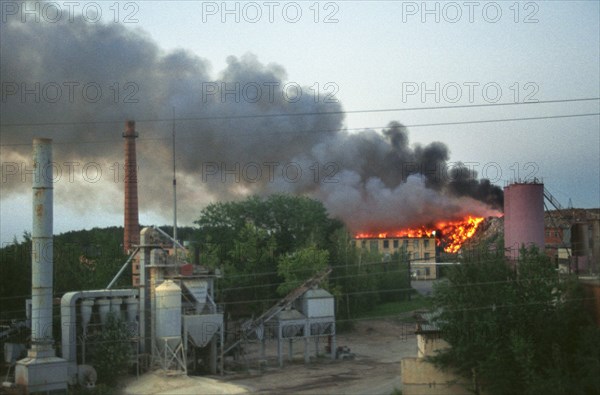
131,235
523,217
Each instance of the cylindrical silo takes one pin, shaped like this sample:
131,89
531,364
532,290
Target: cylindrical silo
115,307
103,309
132,308
580,239
167,317
596,242
523,217
86,312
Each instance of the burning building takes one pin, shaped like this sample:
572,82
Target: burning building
420,251
424,244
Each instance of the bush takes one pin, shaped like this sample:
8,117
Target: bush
112,350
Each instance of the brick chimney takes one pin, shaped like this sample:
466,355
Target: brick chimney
132,225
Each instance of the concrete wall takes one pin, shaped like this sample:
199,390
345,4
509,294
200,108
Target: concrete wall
423,378
428,345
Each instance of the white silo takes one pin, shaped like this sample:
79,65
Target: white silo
167,316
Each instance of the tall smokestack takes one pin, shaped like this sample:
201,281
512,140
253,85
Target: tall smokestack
132,225
42,250
41,370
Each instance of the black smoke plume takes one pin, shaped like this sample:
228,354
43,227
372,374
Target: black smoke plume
227,146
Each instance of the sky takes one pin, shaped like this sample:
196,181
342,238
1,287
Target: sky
369,62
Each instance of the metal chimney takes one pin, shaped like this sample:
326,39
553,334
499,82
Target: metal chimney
41,370
41,248
132,225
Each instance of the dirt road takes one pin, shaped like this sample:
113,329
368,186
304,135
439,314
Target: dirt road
378,345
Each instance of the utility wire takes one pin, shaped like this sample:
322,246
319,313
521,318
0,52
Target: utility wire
323,113
343,129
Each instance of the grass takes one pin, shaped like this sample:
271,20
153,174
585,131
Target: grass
417,302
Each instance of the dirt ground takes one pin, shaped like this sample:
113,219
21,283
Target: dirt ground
378,346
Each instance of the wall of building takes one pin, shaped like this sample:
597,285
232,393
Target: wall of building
420,377
429,345
419,249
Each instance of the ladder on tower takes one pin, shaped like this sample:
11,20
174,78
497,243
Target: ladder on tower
553,201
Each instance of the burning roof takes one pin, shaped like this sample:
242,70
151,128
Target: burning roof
451,235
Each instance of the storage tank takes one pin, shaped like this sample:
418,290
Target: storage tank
168,314
86,313
580,237
103,309
523,217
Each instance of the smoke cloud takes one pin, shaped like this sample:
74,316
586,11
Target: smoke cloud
78,82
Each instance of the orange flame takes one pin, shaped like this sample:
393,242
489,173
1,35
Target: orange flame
451,234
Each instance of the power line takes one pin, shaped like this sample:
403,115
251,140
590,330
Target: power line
323,113
351,129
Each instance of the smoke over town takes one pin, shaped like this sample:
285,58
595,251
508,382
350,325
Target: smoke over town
77,83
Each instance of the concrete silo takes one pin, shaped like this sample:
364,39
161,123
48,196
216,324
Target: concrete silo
523,217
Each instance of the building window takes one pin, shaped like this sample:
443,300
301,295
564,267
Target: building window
374,245
405,243
364,244
427,255
426,243
427,272
415,243
416,255
386,244
395,243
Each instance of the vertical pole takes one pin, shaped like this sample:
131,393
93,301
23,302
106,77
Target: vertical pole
279,345
333,342
174,191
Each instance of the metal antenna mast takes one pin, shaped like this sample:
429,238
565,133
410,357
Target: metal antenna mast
174,190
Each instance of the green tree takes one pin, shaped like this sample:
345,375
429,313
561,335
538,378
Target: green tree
249,269
517,329
111,350
249,239
296,267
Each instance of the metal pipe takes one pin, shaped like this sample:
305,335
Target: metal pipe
42,248
68,312
169,237
174,190
114,280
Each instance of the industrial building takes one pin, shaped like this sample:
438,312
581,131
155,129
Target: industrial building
419,375
170,315
572,238
420,251
173,320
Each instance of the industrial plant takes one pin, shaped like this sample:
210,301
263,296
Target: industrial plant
174,322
